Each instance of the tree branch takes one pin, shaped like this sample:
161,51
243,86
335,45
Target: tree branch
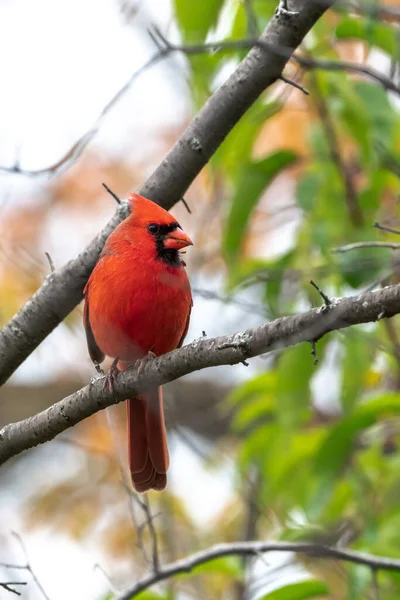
255,549
76,150
286,52
10,585
26,567
372,244
200,354
62,291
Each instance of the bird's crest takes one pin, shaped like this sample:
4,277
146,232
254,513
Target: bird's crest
144,210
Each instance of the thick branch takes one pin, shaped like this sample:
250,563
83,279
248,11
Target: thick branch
200,354
62,291
254,549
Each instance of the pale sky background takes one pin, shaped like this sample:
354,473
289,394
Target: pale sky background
62,62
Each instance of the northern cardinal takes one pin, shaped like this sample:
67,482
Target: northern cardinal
138,303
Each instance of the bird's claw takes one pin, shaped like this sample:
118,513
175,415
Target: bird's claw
141,362
111,376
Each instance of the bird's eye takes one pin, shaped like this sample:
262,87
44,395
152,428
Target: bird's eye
153,228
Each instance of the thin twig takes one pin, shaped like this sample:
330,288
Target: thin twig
303,61
106,576
254,549
77,149
28,566
133,497
113,194
375,584
51,263
314,351
149,523
385,228
186,205
153,535
295,85
357,245
325,298
7,586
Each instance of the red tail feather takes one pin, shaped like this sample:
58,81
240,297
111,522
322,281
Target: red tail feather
148,449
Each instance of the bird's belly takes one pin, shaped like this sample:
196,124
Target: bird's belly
147,318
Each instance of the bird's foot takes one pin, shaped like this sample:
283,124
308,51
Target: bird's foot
111,376
98,368
141,363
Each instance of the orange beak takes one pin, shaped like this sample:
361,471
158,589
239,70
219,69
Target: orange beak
177,240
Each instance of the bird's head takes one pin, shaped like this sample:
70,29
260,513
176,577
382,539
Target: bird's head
159,229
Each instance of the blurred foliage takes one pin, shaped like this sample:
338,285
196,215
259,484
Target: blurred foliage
315,447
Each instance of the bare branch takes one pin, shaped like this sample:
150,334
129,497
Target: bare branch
75,152
118,200
255,549
9,586
280,51
51,262
153,534
62,291
186,205
202,353
385,228
26,567
357,245
295,85
324,297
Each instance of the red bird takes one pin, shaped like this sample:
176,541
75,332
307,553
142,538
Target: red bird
138,302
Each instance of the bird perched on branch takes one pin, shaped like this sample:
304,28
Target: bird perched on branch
137,304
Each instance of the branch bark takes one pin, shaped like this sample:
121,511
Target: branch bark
62,290
255,549
200,354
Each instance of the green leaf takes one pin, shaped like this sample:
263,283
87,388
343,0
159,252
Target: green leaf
261,384
238,145
377,34
338,443
227,565
252,181
149,595
299,591
253,411
195,19
381,114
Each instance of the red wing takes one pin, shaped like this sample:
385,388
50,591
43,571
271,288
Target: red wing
94,351
186,327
